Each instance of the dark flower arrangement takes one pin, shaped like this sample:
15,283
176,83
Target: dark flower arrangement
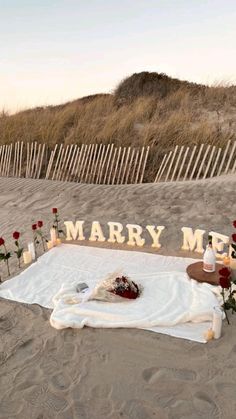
38,235
233,245
125,288
227,282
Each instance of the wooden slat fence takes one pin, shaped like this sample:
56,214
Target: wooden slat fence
107,164
93,163
97,163
200,162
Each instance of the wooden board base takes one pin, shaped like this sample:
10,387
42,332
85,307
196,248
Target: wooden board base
196,272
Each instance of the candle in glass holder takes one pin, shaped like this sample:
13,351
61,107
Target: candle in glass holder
58,241
53,234
232,264
217,322
27,258
49,245
226,261
31,249
209,335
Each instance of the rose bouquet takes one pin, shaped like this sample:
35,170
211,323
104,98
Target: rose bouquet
228,292
233,252
115,288
228,282
124,287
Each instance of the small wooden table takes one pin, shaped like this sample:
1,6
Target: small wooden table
196,272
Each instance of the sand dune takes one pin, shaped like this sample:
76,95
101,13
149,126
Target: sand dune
96,373
208,204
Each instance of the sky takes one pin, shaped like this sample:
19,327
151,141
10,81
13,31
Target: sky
54,51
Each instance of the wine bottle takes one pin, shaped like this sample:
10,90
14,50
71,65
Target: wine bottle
209,258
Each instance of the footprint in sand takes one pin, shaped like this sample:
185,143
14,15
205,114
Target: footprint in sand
205,405
151,375
60,381
140,409
99,408
69,350
180,408
27,378
49,366
24,351
9,409
7,322
35,309
227,389
80,410
3,357
66,414
42,397
28,349
101,392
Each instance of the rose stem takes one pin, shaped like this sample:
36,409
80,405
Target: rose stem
6,260
223,293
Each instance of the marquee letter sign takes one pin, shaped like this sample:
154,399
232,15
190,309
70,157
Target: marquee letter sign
192,240
115,232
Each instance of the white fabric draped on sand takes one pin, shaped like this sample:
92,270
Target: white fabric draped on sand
170,303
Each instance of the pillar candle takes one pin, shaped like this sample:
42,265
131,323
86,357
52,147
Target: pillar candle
31,249
217,322
232,260
27,257
53,234
208,335
49,245
232,265
226,261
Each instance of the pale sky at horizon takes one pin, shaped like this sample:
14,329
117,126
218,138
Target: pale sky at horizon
55,51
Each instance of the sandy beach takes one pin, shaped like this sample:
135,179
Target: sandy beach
97,373
118,210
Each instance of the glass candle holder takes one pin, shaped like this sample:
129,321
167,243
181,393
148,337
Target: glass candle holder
27,258
217,321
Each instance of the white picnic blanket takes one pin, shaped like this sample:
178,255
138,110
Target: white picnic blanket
170,302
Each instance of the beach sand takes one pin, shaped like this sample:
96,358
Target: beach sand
98,373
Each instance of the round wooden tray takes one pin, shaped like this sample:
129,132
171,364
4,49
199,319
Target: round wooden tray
196,272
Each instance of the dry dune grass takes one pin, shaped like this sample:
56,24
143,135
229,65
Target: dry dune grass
145,109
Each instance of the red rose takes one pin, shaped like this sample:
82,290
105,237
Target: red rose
234,223
224,282
234,237
16,235
54,210
225,272
34,226
40,224
2,241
